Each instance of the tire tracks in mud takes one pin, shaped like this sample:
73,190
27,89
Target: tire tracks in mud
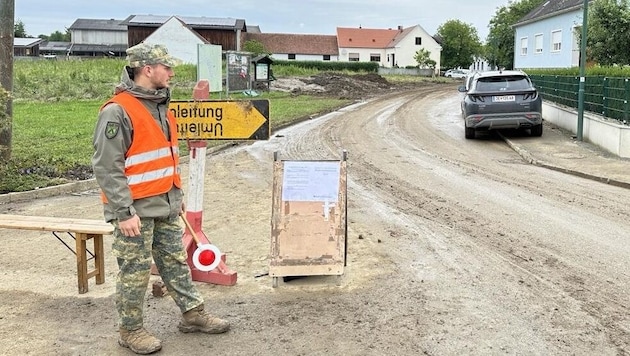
396,154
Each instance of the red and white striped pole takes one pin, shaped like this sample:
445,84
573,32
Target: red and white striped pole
194,208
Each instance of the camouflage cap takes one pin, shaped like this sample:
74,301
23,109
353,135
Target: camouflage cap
145,53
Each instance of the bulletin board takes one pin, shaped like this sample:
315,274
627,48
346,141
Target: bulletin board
238,77
309,218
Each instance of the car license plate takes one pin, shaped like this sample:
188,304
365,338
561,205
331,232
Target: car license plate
504,98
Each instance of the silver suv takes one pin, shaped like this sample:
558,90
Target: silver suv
501,100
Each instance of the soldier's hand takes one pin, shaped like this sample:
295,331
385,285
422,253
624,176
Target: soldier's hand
130,227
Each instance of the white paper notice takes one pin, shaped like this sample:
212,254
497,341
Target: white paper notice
311,181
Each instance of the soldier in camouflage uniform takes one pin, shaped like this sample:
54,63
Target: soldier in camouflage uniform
136,166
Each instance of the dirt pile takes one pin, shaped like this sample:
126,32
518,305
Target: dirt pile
338,85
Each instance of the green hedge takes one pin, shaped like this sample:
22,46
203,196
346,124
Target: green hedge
595,71
330,66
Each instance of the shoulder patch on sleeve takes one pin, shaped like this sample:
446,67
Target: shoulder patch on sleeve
111,129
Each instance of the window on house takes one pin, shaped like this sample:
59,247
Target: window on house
375,57
524,46
353,57
418,41
291,55
539,43
556,41
327,57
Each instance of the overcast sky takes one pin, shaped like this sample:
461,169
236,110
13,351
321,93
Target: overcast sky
273,16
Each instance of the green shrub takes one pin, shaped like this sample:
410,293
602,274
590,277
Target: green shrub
370,67
594,71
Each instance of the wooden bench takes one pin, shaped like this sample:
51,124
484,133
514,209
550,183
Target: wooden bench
80,229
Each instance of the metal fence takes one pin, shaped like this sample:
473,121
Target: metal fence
606,96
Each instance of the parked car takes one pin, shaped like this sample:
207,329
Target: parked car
501,100
469,78
455,73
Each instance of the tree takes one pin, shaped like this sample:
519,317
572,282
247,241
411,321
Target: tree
423,58
500,40
255,47
460,44
19,29
59,36
609,32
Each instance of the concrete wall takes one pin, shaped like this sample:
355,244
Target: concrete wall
605,133
364,54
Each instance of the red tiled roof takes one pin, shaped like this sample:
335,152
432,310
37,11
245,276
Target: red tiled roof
366,37
295,44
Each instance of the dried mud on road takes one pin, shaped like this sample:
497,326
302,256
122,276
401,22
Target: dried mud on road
454,247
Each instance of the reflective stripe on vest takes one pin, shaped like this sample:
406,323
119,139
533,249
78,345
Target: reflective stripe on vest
152,161
150,176
147,156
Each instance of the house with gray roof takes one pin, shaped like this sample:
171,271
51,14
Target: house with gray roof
97,37
548,36
26,47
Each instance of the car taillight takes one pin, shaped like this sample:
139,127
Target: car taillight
532,95
476,98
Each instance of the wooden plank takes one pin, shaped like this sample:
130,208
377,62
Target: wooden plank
77,221
42,223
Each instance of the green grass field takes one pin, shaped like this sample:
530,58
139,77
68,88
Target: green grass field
56,103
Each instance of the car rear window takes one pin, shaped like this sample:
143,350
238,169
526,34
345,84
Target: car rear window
502,83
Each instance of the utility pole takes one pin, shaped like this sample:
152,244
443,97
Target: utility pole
580,123
7,19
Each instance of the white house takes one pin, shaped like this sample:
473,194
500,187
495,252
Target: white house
389,47
179,38
548,37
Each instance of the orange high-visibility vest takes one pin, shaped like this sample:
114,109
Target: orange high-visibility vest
152,161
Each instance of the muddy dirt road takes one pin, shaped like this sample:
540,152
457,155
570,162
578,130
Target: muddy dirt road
455,247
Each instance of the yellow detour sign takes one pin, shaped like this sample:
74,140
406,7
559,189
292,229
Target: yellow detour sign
222,119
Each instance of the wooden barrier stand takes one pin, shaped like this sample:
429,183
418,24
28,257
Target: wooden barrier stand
80,229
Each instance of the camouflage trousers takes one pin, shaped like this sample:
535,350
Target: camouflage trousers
161,240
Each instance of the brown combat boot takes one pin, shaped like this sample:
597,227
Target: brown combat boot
197,319
139,341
